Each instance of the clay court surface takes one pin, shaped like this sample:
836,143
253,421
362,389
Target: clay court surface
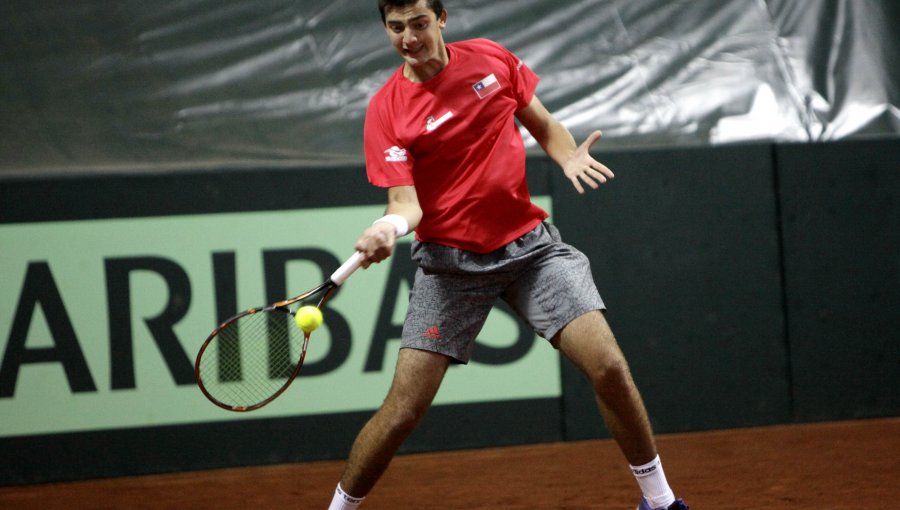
834,466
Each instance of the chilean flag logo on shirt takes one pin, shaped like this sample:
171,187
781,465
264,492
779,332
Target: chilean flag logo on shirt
487,86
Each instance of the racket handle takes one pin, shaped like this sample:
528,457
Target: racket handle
346,269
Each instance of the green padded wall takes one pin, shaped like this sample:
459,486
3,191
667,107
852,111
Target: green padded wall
842,258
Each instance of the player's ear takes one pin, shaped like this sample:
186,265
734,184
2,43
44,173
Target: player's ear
442,19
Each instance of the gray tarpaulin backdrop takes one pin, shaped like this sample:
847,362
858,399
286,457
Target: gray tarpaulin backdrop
127,85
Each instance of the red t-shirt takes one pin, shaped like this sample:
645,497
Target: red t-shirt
454,137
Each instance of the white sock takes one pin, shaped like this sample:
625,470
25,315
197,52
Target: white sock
344,501
654,486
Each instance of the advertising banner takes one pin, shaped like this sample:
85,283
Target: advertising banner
101,320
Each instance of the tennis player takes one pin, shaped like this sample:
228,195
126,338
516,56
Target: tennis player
441,136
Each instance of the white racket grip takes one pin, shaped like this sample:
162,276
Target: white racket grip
346,269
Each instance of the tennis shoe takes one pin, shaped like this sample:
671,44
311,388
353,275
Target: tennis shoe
677,505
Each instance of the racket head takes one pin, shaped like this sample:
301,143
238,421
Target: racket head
254,356
251,358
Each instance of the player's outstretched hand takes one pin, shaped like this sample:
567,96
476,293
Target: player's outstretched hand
582,168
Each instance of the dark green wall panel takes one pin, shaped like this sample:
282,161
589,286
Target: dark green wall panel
841,221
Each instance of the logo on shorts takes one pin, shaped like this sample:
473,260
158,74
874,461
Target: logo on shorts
395,155
433,333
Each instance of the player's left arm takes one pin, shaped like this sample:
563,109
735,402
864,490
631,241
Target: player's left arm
575,160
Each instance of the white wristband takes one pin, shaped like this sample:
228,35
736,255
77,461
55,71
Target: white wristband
401,226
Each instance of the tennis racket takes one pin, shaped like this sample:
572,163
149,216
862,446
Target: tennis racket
251,358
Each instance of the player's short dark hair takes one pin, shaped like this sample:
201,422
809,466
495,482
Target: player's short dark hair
435,5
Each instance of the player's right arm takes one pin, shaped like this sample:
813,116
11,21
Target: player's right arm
377,242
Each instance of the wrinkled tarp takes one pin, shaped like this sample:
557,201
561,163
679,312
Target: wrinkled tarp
124,85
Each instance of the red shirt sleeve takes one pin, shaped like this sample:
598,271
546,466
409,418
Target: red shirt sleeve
524,81
388,162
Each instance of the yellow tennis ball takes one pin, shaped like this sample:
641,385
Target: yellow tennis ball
308,318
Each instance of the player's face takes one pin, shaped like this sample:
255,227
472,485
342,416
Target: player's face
415,32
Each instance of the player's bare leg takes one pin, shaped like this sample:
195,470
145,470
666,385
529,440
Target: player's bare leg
416,381
589,343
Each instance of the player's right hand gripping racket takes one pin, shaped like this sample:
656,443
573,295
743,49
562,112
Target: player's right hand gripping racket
251,358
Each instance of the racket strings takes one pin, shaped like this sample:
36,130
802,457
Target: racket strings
251,359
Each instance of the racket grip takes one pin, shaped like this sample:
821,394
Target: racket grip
346,269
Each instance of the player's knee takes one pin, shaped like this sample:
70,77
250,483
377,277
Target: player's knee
611,375
401,419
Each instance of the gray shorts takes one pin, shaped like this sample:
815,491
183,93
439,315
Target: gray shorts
545,281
